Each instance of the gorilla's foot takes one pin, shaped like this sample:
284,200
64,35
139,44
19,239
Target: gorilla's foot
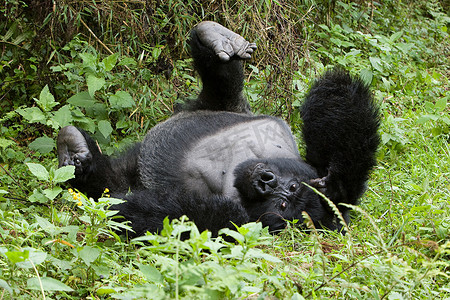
73,149
224,42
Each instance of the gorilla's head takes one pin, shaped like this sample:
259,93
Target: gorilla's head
272,191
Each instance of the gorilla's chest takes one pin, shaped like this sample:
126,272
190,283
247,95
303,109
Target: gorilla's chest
209,164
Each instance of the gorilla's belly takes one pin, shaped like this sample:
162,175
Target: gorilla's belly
210,163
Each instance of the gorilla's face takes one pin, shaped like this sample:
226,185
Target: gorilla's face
272,191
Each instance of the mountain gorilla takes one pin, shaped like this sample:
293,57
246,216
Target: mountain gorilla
219,164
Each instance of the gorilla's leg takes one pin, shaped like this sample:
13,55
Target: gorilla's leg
94,171
340,127
147,209
218,53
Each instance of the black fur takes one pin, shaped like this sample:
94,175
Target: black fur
218,164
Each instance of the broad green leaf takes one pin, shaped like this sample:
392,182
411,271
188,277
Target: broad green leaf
63,174
127,61
82,99
46,100
32,114
43,144
89,60
17,256
39,171
121,99
441,104
35,257
52,193
4,285
151,273
63,116
105,128
88,254
46,225
376,63
110,61
396,36
94,84
48,284
38,197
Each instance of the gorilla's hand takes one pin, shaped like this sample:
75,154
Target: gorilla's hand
224,42
73,149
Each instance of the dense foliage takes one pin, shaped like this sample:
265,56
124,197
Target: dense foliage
116,68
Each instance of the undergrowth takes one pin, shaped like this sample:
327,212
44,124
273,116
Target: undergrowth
116,68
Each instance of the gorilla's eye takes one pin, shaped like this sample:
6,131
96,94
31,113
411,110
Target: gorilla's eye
77,162
283,205
293,187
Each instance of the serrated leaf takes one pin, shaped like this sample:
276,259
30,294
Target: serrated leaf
42,144
121,99
110,61
366,76
94,84
64,173
48,284
89,254
105,128
63,116
32,114
376,63
89,59
46,100
39,171
82,99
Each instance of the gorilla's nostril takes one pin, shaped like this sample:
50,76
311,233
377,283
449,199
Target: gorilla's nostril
267,176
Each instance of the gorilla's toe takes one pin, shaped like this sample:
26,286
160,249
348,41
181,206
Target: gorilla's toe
224,42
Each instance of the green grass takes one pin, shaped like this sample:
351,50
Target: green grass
57,244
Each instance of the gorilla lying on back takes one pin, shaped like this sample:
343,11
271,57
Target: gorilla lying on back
217,163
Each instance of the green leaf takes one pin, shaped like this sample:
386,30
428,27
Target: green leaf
32,114
35,257
39,171
89,60
46,100
17,256
121,99
4,285
63,116
110,61
42,144
64,173
89,254
105,128
376,63
5,143
38,197
151,273
396,36
94,84
366,76
52,193
48,284
82,99
441,104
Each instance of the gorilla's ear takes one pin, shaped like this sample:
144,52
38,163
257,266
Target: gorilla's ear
72,148
318,183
